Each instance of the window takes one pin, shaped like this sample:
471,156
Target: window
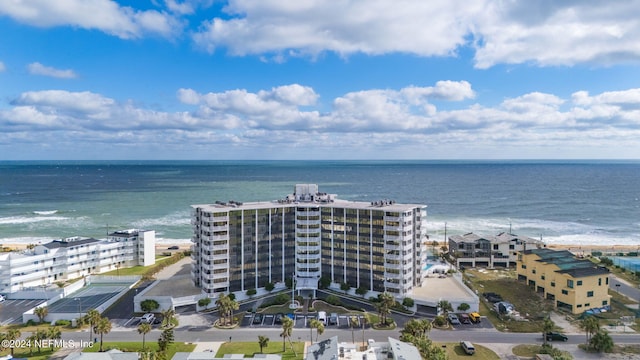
533,271
495,247
542,277
589,293
587,304
579,283
604,302
606,281
570,284
565,292
524,266
553,284
599,281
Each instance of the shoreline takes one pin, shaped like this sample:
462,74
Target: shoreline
586,249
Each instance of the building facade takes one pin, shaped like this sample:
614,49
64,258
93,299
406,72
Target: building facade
380,246
75,257
574,284
489,251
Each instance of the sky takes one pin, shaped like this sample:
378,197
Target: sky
317,79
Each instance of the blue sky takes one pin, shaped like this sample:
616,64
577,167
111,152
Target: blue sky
313,79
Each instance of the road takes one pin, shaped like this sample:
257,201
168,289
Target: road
624,288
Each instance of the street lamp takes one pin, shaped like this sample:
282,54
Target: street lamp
79,307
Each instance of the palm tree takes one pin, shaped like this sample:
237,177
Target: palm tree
12,335
54,333
92,318
41,312
167,318
319,330
445,306
144,328
318,325
601,341
354,321
384,306
103,326
591,326
263,342
547,326
287,330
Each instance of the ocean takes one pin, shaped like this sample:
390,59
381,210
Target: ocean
562,202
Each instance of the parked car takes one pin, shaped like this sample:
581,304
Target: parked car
148,318
492,297
257,318
2,298
556,336
333,319
475,317
464,318
453,319
278,319
175,247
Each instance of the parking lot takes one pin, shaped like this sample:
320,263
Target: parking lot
11,310
257,320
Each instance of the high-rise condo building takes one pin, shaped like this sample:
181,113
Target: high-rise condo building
309,235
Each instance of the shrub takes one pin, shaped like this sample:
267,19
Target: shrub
269,287
251,292
407,302
204,302
439,320
63,323
333,300
149,305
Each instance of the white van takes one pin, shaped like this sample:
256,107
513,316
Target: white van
467,347
322,316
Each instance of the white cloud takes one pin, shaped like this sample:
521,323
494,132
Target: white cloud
282,120
104,15
38,69
558,33
345,27
541,32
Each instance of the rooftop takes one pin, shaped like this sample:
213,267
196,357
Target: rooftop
567,263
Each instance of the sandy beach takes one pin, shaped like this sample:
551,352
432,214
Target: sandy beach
583,250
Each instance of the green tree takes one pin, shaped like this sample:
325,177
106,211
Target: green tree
601,342
287,331
149,305
168,317
204,302
54,333
92,317
166,339
333,300
318,325
269,287
416,328
387,301
324,282
143,329
39,336
445,306
12,335
408,302
362,291
591,326
41,312
464,307
345,287
102,327
547,327
354,321
263,342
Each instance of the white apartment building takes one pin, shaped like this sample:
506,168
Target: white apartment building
75,257
309,235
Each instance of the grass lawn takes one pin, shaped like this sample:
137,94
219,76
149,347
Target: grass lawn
529,304
529,351
251,348
45,353
137,347
454,352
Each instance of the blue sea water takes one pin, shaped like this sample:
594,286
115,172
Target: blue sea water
570,202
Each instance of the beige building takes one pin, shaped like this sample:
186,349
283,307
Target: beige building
573,284
489,251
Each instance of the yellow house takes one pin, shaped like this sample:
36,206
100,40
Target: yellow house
573,284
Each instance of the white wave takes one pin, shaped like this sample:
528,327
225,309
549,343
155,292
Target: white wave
51,212
26,240
174,219
28,220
